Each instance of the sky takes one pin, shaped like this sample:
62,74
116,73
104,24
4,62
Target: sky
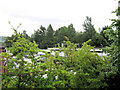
58,13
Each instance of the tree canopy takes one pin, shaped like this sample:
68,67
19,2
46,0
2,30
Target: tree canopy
50,38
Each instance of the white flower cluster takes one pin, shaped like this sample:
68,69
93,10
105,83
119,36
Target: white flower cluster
36,76
72,71
56,77
44,76
14,77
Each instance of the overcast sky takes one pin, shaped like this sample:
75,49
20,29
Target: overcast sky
58,13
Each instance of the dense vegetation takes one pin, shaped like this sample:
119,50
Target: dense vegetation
113,34
50,38
77,69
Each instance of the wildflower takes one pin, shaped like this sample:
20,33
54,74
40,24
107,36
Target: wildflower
44,76
46,69
74,73
56,77
71,71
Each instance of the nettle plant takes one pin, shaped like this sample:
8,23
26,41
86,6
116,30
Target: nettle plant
76,69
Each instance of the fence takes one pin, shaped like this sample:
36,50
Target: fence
2,49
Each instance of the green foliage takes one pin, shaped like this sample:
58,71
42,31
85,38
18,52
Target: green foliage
89,28
108,42
88,69
43,37
10,39
77,69
114,55
79,38
25,35
113,50
18,76
60,33
71,32
65,31
50,36
112,33
90,33
98,41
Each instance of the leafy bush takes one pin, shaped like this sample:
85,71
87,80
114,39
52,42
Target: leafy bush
113,34
77,69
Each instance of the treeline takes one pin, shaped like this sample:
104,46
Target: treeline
50,38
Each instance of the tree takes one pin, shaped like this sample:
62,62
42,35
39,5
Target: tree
90,33
18,77
50,36
77,69
60,33
65,31
112,35
79,38
36,37
25,35
71,32
43,37
8,42
104,36
40,37
14,37
113,50
89,28
98,41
